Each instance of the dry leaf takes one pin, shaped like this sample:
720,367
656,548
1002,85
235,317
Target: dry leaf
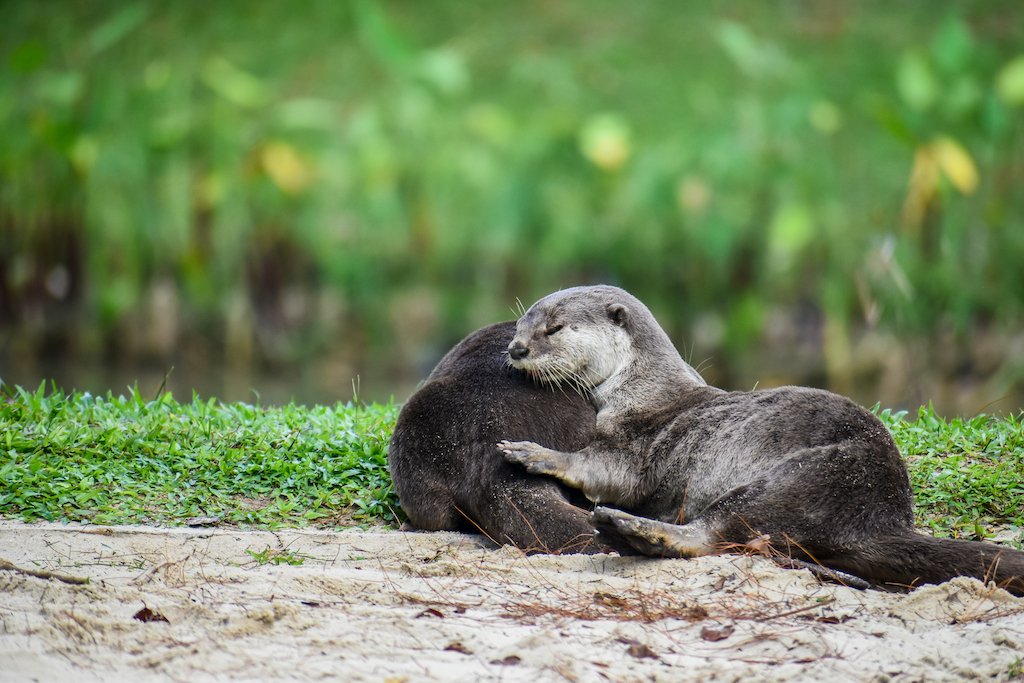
146,614
714,633
202,521
640,651
762,544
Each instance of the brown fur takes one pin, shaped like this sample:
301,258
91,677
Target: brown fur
449,473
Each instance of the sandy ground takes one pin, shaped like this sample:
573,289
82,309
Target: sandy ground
211,605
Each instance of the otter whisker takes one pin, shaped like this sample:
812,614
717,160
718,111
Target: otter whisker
562,373
573,380
704,365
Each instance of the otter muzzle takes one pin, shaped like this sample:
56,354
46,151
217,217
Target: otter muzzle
517,350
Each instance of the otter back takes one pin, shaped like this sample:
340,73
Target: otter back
448,471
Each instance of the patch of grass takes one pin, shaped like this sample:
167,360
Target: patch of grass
107,460
966,474
1015,670
270,556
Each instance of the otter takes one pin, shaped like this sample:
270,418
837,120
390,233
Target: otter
694,469
448,472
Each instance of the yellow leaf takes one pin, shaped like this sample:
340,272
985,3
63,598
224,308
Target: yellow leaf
605,141
956,163
285,167
924,180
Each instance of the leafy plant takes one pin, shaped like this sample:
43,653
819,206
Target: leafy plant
965,473
277,557
1015,670
75,457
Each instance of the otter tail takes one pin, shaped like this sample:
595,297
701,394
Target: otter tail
912,559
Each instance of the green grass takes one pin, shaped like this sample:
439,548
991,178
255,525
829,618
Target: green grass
75,457
967,474
117,460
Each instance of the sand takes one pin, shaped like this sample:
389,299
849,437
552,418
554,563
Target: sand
182,604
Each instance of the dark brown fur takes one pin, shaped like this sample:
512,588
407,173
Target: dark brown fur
703,469
449,473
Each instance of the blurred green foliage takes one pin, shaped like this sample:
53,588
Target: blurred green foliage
717,159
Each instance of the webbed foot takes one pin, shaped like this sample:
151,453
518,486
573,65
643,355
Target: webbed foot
535,458
620,529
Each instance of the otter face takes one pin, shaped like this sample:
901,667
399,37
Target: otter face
572,337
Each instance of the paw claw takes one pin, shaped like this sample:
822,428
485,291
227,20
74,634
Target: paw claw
532,457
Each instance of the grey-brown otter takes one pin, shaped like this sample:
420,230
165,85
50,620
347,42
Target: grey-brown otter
701,468
447,470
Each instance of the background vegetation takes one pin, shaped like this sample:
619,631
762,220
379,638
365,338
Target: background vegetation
830,191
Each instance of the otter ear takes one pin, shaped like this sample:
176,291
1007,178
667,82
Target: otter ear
618,313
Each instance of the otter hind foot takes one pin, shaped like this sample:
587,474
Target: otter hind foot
620,529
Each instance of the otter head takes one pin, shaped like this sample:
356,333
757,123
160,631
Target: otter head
577,336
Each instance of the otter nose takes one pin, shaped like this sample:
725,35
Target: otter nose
518,351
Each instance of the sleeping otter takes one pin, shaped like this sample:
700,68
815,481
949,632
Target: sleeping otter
702,469
447,470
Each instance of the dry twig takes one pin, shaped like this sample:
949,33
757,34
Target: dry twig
42,573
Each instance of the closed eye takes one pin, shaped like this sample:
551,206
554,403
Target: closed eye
551,330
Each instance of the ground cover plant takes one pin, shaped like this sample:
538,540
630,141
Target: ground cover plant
126,459
967,475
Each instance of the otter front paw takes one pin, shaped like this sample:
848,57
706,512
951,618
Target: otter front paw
535,458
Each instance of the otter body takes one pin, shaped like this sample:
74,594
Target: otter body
702,469
447,470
